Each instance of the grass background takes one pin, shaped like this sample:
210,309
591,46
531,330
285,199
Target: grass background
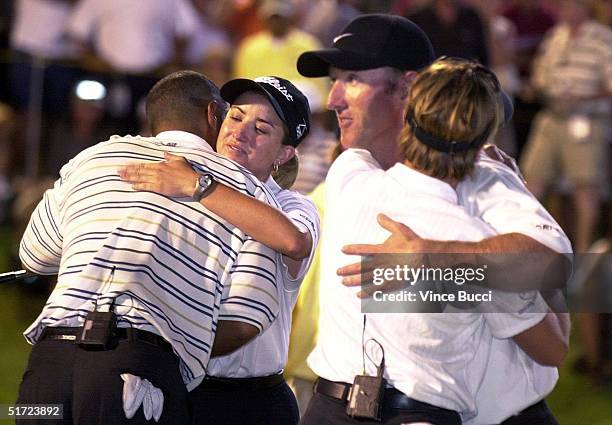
575,401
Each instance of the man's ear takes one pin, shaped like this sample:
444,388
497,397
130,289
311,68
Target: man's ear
406,83
212,115
285,153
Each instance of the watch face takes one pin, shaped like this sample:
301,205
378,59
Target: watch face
205,181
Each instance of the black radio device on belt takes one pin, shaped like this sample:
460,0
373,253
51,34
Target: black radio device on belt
99,327
365,398
366,395
98,330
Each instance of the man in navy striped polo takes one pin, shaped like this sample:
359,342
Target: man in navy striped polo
141,276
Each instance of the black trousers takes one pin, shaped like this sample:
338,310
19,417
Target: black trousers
88,385
234,406
537,414
325,410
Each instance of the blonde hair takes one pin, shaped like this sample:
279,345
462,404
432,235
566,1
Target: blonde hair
452,100
287,173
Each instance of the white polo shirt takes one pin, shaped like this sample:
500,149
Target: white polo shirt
267,353
39,28
131,35
513,380
427,355
495,194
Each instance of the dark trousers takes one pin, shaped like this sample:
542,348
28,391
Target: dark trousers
538,414
58,80
325,410
88,385
234,406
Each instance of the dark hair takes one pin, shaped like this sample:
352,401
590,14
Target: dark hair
180,97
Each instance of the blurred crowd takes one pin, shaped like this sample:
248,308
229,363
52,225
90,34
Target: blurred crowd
74,72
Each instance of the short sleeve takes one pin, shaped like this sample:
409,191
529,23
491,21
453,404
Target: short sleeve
41,245
251,295
512,313
303,214
498,196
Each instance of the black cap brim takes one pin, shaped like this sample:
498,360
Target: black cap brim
316,63
234,88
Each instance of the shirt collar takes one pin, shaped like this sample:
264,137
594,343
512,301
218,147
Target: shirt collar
414,180
183,139
273,186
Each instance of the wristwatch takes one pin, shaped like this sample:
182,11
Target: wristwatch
204,184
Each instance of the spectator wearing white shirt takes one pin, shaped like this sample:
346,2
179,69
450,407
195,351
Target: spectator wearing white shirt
132,44
569,137
39,32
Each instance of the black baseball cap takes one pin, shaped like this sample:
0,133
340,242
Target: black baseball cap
288,101
372,41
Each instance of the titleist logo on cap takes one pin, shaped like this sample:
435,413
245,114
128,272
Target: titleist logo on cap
300,129
276,84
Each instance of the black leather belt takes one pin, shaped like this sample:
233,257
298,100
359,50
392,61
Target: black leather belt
247,384
536,413
62,333
392,399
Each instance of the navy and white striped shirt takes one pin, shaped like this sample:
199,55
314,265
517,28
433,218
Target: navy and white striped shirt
164,263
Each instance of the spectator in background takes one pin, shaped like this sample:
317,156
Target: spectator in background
315,152
274,50
41,62
132,46
38,32
239,17
6,130
217,65
531,22
207,39
304,323
501,47
406,7
573,73
325,19
6,19
454,29
603,10
82,126
305,318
